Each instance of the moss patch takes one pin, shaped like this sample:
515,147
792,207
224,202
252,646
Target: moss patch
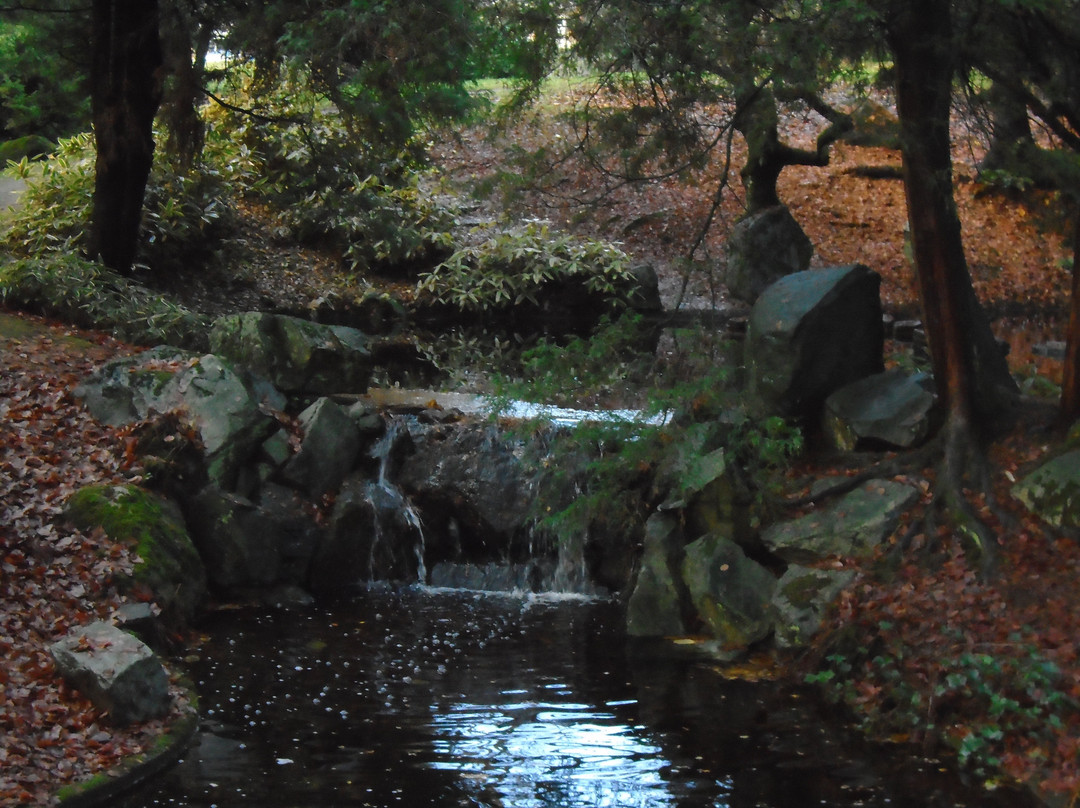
170,567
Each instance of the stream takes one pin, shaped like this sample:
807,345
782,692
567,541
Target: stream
421,697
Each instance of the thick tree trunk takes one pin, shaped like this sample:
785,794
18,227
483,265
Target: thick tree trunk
1069,410
973,381
126,91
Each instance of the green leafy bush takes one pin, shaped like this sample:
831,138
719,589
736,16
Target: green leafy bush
510,268
84,293
329,189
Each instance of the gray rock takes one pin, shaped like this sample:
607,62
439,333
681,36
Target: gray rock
239,544
811,333
763,248
853,526
730,592
327,452
1052,491
296,355
656,603
802,595
372,535
116,671
170,567
891,408
220,408
472,474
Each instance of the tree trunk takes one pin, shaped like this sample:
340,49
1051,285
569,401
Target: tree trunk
126,91
973,381
184,44
1069,409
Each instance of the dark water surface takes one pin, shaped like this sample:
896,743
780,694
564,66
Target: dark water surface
421,698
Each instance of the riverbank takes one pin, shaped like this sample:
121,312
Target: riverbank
53,577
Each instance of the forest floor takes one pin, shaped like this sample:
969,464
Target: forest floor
936,627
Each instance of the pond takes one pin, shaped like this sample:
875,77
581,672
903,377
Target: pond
421,697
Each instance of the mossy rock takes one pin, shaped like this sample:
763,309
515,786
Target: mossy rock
28,146
1052,491
170,568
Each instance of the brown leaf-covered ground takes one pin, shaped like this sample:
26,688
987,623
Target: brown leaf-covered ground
52,577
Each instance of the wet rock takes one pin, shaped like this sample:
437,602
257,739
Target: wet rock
1052,491
853,526
763,248
891,408
296,531
811,333
327,452
730,592
296,355
170,567
469,473
373,535
657,602
239,544
116,671
799,603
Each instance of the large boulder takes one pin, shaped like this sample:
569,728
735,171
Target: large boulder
468,478
730,592
116,671
327,452
853,526
1052,491
811,333
296,355
221,410
373,534
762,248
169,567
891,408
656,605
239,543
802,595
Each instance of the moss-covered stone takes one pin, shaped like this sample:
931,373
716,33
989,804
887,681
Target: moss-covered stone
1052,491
170,567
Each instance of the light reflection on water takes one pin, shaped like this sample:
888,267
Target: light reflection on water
538,754
454,699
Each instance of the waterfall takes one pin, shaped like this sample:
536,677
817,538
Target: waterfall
389,504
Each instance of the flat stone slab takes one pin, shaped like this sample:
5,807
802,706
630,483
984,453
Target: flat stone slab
116,671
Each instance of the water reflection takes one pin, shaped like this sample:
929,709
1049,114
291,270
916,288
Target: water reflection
455,699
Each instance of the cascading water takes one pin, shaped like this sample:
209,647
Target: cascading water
389,506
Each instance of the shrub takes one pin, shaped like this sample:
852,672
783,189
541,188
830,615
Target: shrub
510,268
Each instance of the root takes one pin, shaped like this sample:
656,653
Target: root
962,467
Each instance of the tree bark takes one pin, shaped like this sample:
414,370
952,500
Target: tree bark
1069,407
973,381
126,90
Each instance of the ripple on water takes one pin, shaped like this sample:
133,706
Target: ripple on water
454,699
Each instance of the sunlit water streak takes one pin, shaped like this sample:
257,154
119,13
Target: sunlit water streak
447,698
